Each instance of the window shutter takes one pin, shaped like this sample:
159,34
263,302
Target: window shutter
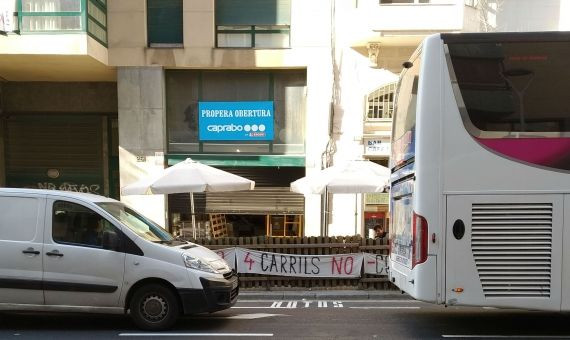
253,12
164,20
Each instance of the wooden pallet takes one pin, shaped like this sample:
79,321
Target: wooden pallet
218,225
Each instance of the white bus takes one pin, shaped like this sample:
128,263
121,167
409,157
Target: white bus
480,183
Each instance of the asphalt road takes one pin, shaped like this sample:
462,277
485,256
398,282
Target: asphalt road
298,319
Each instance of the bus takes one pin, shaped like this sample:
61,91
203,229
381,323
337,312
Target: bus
480,171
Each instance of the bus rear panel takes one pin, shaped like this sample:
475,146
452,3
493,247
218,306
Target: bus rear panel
480,196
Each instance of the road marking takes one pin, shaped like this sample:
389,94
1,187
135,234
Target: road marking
194,334
250,307
506,336
386,307
337,304
252,316
322,304
363,301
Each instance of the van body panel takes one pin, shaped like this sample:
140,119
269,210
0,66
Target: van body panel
21,248
82,276
77,273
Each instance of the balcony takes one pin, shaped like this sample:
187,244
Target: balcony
64,16
406,22
56,40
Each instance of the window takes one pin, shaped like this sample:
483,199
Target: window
385,2
472,3
514,87
65,16
381,102
164,23
405,119
74,224
54,15
253,23
185,89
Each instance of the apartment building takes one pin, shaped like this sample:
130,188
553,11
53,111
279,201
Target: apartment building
96,94
58,97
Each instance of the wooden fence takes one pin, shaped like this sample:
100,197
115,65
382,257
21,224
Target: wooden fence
305,246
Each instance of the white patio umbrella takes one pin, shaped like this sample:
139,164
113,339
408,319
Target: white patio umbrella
188,176
352,177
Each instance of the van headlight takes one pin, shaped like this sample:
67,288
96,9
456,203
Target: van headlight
197,263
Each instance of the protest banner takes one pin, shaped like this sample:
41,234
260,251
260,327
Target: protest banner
228,254
376,264
336,266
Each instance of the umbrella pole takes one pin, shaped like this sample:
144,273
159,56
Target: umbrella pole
193,215
355,214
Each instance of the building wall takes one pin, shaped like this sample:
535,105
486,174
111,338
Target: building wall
68,97
529,15
142,133
310,50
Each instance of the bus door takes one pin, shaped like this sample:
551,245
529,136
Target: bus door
504,250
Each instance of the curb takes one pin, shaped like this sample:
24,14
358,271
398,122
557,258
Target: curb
323,295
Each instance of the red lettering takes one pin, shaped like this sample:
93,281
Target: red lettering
336,265
248,260
346,271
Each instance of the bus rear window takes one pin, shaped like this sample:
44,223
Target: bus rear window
405,109
514,86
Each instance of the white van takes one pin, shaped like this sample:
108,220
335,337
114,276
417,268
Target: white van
74,252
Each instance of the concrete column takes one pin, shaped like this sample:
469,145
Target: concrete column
142,134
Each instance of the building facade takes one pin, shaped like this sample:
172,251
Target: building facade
96,94
58,97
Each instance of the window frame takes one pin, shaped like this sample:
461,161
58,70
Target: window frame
252,31
114,228
151,44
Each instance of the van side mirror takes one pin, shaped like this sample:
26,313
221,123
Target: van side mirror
111,241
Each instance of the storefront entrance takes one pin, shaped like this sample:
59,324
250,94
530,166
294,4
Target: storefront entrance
62,152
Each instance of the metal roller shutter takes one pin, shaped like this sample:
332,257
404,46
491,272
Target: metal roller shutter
271,195
72,146
263,200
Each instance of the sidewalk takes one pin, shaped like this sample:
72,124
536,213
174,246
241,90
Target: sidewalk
323,295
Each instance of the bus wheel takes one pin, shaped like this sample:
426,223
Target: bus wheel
154,307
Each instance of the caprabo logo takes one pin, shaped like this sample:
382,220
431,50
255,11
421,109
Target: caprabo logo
225,128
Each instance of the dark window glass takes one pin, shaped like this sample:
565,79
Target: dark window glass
164,20
74,224
516,86
405,110
287,90
253,23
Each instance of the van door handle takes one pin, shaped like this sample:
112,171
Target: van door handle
31,251
54,253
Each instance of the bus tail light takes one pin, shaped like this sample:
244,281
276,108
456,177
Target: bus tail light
419,240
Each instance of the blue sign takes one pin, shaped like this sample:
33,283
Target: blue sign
235,121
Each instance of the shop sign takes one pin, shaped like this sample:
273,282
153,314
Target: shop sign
235,121
377,147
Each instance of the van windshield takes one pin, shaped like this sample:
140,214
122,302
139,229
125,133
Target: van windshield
142,226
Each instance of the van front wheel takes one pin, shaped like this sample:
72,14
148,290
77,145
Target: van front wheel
154,307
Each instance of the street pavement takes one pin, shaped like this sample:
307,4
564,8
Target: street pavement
307,315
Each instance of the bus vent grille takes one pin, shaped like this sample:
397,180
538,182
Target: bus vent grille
512,247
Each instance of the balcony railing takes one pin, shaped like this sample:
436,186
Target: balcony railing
64,16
